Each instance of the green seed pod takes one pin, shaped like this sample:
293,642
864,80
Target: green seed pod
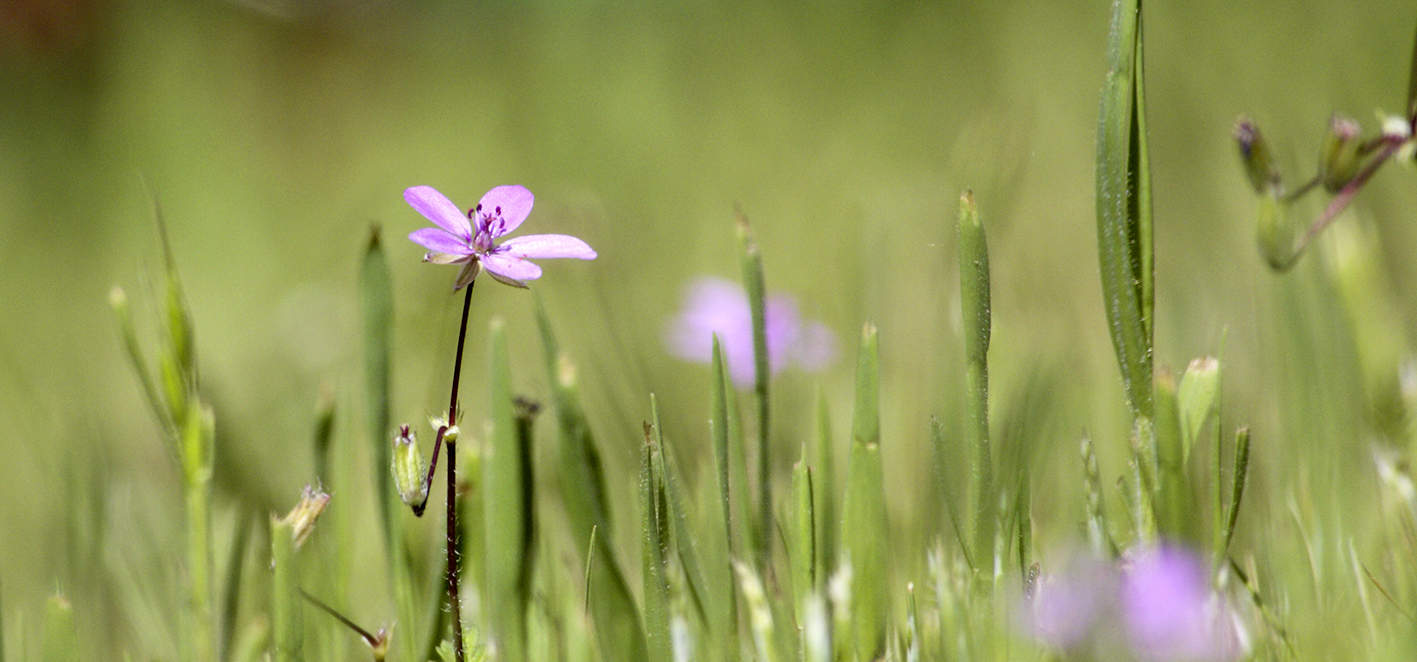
1339,160
408,467
1254,153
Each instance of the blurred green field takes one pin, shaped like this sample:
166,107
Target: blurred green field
275,133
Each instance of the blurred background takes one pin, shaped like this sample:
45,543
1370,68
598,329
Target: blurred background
275,133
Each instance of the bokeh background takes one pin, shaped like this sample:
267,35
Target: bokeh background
275,133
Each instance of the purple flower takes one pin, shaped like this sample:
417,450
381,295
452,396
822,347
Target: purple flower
470,239
1159,605
717,306
1171,612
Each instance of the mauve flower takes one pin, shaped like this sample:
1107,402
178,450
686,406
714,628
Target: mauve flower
473,244
1159,605
717,306
1171,611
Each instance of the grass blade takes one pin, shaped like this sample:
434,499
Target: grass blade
235,564
1237,485
864,533
287,622
745,531
824,495
653,542
122,315
615,616
1123,208
1099,538
1175,511
937,436
684,543
61,636
753,283
802,552
508,532
975,312
376,301
198,436
725,621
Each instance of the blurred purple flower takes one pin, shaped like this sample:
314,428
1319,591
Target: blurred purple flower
1161,600
717,306
1171,612
472,244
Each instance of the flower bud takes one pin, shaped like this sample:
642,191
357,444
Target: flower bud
1254,152
302,518
408,468
1275,232
1339,159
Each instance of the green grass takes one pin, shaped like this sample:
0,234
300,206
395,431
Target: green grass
1011,406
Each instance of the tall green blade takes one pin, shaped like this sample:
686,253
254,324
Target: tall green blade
725,619
864,533
1123,208
685,545
1099,537
197,439
1237,488
802,541
942,475
745,533
752,261
508,533
232,593
653,548
61,636
122,315
287,622
376,302
1176,513
975,316
612,608
824,494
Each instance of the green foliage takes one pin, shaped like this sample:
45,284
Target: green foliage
508,506
616,618
61,636
1124,234
864,535
752,263
286,607
974,310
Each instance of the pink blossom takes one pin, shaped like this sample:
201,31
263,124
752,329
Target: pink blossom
716,306
470,239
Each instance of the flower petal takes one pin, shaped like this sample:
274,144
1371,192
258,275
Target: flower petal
510,266
714,306
434,257
547,245
439,241
436,207
515,203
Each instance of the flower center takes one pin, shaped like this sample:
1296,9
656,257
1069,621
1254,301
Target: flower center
486,227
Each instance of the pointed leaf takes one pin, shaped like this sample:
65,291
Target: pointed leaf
1123,208
752,262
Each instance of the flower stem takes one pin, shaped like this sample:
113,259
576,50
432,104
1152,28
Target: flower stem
454,604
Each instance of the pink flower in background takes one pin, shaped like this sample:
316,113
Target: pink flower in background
1171,611
717,306
1159,606
470,239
